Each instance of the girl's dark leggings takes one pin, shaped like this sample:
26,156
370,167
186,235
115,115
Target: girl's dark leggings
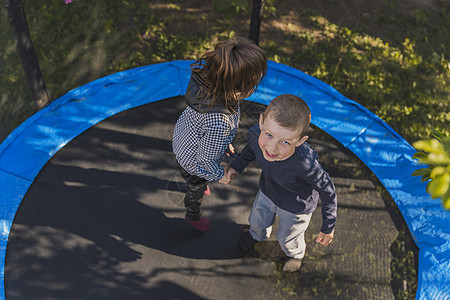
195,188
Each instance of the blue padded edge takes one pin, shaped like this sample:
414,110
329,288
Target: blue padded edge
28,148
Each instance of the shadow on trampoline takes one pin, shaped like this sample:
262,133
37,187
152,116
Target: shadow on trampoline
101,207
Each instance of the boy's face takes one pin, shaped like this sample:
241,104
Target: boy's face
276,142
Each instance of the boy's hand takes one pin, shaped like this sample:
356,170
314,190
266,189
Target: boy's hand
224,179
324,239
229,175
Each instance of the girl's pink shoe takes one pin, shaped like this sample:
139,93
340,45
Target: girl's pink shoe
200,225
207,191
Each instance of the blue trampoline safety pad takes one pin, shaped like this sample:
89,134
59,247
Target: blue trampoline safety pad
28,148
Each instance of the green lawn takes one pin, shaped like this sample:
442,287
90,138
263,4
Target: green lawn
393,61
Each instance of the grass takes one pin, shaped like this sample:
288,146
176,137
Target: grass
405,83
401,73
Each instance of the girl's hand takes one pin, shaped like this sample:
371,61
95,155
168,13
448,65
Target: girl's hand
230,150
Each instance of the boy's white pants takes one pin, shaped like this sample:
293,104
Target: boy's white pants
291,228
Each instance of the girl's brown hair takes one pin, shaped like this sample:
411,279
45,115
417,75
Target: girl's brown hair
231,71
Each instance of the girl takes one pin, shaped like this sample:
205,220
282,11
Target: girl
219,80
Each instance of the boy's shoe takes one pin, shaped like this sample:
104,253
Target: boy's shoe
200,225
292,264
207,191
246,241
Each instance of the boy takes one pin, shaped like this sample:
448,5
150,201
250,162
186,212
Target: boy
291,180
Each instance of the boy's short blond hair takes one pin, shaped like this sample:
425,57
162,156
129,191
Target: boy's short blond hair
291,112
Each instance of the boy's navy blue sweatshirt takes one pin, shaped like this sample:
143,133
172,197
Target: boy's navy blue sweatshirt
294,184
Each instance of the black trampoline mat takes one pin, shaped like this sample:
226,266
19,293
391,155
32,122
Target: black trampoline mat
104,219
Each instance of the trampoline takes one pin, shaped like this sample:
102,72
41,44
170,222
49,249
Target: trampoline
95,196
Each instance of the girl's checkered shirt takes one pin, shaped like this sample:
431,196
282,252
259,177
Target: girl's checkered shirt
200,140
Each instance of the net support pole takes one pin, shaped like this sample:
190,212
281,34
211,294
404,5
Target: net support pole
19,25
255,21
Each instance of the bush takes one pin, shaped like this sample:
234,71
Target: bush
436,154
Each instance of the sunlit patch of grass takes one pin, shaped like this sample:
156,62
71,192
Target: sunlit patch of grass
396,82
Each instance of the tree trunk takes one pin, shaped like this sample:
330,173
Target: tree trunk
17,19
255,22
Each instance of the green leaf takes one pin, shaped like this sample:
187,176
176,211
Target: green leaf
421,172
439,158
420,155
441,137
446,200
425,178
439,186
437,171
432,145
